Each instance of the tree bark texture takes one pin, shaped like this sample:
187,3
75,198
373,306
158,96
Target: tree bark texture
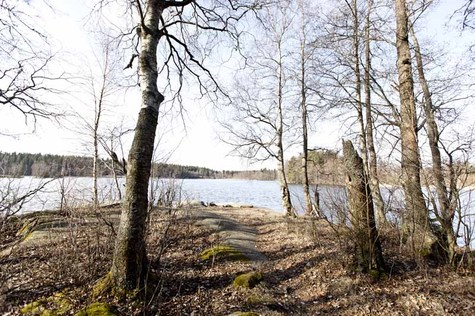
304,112
284,186
357,70
95,133
129,265
372,160
416,219
368,246
445,212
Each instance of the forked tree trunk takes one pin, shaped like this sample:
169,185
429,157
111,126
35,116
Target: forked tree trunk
368,246
372,160
416,218
444,212
129,265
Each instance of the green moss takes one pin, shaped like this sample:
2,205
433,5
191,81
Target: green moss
223,252
259,299
33,308
379,275
55,305
97,309
248,280
105,287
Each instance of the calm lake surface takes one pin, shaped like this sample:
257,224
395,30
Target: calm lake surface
76,191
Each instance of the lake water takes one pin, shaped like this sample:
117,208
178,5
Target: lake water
265,194
78,190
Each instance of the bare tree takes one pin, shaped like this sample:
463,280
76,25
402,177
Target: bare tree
174,27
256,131
416,221
103,85
25,75
372,164
306,52
112,142
348,70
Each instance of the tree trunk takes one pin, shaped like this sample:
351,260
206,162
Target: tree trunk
286,201
95,159
357,70
368,246
304,112
284,188
372,160
444,212
97,118
416,219
285,193
129,265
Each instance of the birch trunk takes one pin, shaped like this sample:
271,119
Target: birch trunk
357,70
304,112
416,219
130,263
285,193
97,118
444,211
372,160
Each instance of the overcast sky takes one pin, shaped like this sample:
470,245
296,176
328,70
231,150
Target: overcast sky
198,144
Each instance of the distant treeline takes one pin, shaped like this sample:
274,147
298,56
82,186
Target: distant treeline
49,166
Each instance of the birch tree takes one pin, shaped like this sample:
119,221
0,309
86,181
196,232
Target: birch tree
444,202
307,77
372,165
416,221
257,130
103,85
175,29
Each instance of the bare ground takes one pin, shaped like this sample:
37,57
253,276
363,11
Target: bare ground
307,269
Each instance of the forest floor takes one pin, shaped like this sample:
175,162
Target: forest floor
306,268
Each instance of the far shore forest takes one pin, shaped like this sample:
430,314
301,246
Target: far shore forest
325,167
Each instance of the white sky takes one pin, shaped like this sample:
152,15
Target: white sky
198,145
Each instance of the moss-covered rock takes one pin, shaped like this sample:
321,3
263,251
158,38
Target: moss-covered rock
223,252
97,309
248,280
33,308
55,305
